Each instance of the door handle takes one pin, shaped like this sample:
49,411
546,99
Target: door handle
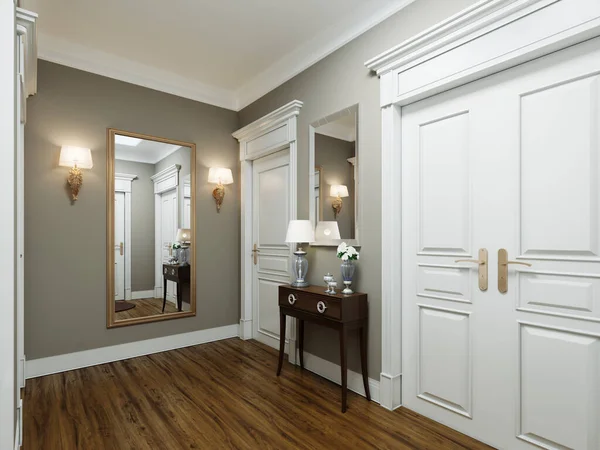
503,263
483,268
255,252
121,246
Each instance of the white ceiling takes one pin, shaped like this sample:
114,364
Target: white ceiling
223,52
343,128
145,151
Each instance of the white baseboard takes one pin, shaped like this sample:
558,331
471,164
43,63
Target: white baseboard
391,391
61,363
245,329
332,372
137,295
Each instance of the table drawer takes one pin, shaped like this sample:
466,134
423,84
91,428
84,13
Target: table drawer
319,305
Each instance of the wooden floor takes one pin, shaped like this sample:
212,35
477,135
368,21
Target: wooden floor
219,395
147,307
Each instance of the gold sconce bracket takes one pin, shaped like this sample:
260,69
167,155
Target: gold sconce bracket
337,206
75,181
219,194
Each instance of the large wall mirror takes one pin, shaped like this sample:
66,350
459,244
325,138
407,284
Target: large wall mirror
151,228
333,160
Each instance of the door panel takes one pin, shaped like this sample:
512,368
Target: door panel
168,220
508,162
119,246
271,209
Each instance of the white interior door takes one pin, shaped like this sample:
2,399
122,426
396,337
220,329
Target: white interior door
168,221
119,246
271,209
509,162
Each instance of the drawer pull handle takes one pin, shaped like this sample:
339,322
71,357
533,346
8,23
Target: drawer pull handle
292,299
321,307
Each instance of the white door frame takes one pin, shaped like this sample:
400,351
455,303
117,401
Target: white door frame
488,37
123,183
165,180
269,134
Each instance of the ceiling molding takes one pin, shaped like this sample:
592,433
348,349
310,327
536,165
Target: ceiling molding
312,52
465,23
63,52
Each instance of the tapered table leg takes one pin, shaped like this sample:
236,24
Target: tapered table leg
363,359
344,366
164,293
301,342
281,341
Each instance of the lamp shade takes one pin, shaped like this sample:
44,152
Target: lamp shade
184,235
220,175
300,231
327,230
338,190
76,156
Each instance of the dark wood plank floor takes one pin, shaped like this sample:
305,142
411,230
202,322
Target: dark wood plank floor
219,395
148,307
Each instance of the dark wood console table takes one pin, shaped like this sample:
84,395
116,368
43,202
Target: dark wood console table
178,274
337,311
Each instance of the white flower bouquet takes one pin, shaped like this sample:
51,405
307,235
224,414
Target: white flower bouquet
346,252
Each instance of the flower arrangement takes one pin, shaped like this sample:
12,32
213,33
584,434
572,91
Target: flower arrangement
346,252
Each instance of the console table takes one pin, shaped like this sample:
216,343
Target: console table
178,274
337,311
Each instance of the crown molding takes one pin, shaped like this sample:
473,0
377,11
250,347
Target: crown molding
273,119
448,32
63,52
26,26
312,52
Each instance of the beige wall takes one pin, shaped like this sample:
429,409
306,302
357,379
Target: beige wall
336,82
65,262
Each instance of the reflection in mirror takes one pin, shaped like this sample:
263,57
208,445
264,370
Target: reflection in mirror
333,184
151,245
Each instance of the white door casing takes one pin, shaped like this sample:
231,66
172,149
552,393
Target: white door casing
123,183
165,182
120,246
274,132
543,144
270,176
488,37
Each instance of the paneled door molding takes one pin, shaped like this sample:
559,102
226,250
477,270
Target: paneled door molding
486,38
123,184
274,132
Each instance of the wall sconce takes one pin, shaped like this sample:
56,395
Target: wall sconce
76,158
338,191
220,176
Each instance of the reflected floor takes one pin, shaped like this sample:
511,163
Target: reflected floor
148,307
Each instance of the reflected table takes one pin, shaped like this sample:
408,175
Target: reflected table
178,274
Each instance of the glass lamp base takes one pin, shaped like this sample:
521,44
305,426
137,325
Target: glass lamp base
300,284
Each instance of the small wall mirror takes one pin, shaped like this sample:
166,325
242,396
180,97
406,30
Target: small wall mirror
333,182
151,228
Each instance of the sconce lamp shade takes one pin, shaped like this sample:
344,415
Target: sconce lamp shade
338,190
184,235
220,175
300,231
76,156
327,230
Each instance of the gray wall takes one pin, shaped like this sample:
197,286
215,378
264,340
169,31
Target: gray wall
65,250
142,223
332,155
334,83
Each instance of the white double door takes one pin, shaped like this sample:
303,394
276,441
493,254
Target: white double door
510,162
271,214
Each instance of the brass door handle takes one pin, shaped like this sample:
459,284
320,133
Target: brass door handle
121,246
503,263
255,252
483,268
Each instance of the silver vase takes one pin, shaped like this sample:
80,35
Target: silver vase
348,268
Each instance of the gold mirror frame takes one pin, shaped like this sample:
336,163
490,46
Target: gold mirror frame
110,231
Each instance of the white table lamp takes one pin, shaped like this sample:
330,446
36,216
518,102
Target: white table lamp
300,231
327,230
